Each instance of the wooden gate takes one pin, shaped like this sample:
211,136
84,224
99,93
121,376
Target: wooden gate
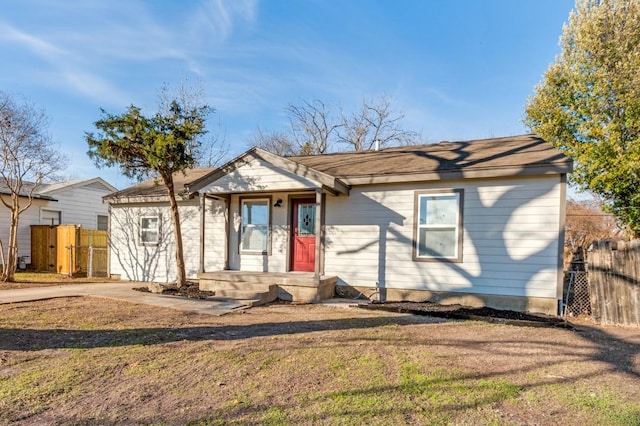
44,248
68,249
92,252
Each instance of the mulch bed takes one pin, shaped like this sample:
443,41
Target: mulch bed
191,290
470,313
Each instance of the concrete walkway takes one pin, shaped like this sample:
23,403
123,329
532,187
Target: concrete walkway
119,291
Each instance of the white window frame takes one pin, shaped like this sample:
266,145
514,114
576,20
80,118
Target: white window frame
264,201
458,227
143,230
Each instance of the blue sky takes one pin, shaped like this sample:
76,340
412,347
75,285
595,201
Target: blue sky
456,69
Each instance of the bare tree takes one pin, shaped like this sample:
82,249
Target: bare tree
587,222
28,158
374,125
275,142
313,129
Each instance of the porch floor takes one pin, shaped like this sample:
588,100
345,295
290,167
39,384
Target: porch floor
301,287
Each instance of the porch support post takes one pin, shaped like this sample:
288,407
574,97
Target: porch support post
202,235
317,268
227,232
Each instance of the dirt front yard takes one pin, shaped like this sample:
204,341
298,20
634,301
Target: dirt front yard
94,361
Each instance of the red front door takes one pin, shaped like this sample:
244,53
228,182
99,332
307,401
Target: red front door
303,244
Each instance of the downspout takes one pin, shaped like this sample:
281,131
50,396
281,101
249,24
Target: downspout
202,234
561,232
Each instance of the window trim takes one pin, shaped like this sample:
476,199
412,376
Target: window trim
98,216
141,229
459,227
45,209
241,202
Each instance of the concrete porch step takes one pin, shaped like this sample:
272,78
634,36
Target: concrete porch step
246,303
258,297
215,285
299,287
244,293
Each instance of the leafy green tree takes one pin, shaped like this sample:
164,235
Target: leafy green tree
588,103
166,143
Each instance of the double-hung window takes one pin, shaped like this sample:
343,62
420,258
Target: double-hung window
255,226
150,230
438,232
102,223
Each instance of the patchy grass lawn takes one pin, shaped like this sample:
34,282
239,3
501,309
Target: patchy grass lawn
93,361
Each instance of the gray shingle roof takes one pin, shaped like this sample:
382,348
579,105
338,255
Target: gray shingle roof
26,188
509,152
508,156
153,188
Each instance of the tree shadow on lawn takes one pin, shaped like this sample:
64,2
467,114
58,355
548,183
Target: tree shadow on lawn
618,353
37,339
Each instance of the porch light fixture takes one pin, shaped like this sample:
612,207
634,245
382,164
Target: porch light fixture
278,203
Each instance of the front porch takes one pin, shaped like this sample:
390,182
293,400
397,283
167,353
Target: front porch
297,287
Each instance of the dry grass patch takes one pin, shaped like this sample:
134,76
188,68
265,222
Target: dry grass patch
46,279
88,361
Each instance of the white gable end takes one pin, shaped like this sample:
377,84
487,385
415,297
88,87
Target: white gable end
258,175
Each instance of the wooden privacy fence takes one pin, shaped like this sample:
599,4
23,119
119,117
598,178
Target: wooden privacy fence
69,250
614,282
44,243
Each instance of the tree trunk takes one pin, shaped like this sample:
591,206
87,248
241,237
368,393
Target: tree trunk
11,261
181,275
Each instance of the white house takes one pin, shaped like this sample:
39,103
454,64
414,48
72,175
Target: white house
473,222
73,202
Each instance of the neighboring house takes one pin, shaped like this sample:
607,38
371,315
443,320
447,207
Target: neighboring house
76,202
474,222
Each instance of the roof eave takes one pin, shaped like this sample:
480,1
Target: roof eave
33,196
136,199
477,173
326,181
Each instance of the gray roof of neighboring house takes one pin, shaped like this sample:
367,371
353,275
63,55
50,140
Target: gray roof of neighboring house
153,188
24,192
46,191
95,183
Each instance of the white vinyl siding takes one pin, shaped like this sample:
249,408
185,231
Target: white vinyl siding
29,217
136,262
76,205
259,176
50,217
510,238
80,205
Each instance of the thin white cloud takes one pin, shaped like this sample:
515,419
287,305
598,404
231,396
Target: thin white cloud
442,97
92,42
214,20
31,42
64,67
